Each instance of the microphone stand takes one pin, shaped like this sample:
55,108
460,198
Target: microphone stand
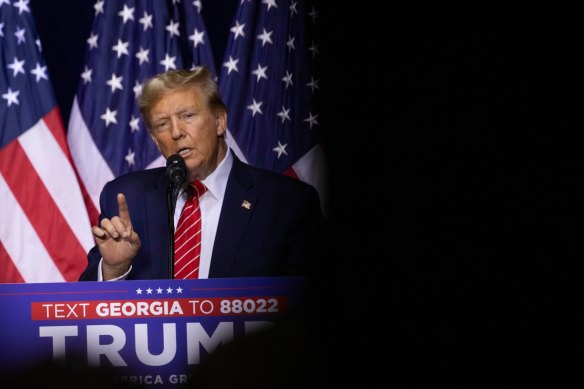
176,171
171,196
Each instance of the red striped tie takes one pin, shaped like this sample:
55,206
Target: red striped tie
187,236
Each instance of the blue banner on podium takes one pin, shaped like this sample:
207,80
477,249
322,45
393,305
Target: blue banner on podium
145,332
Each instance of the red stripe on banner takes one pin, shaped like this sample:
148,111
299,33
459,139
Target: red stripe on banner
9,273
55,124
187,307
44,215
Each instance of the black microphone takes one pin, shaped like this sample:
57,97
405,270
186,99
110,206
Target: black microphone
176,170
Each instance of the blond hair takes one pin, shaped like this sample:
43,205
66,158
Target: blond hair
157,86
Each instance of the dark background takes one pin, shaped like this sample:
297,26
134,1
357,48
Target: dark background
453,136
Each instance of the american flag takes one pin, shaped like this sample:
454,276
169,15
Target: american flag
130,41
44,225
270,66
269,81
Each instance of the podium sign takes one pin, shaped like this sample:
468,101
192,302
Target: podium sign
145,332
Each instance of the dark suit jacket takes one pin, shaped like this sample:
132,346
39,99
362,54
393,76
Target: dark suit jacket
279,235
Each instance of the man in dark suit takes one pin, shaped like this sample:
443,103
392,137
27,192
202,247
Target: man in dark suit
254,222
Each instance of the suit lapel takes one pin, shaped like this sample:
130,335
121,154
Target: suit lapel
238,206
156,217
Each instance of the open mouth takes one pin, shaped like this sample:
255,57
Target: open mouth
183,151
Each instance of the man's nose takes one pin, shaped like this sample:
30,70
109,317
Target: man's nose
176,128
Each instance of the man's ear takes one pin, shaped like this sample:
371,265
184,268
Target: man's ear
221,121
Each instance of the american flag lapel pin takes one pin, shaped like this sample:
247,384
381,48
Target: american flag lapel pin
246,204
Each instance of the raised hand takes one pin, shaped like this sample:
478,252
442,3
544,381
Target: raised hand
117,241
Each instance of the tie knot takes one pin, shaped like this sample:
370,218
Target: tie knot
197,189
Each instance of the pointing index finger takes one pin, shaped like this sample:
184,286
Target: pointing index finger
123,211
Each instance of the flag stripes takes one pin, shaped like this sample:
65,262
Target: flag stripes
51,208
9,273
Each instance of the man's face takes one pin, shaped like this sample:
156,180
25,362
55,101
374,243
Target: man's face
183,123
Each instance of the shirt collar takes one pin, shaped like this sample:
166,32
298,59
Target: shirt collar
216,182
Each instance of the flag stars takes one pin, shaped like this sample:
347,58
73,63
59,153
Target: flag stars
109,117
142,55
137,89
149,291
313,84
287,79
115,82
197,37
22,6
40,72
98,7
284,114
231,65
37,42
292,8
4,2
168,62
260,72
135,124
290,43
198,4
1,29
270,3
92,40
130,157
179,290
281,149
314,49
19,34
159,290
172,28
86,75
121,48
11,97
169,290
255,108
139,291
127,13
146,21
17,67
266,37
313,14
237,30
311,120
